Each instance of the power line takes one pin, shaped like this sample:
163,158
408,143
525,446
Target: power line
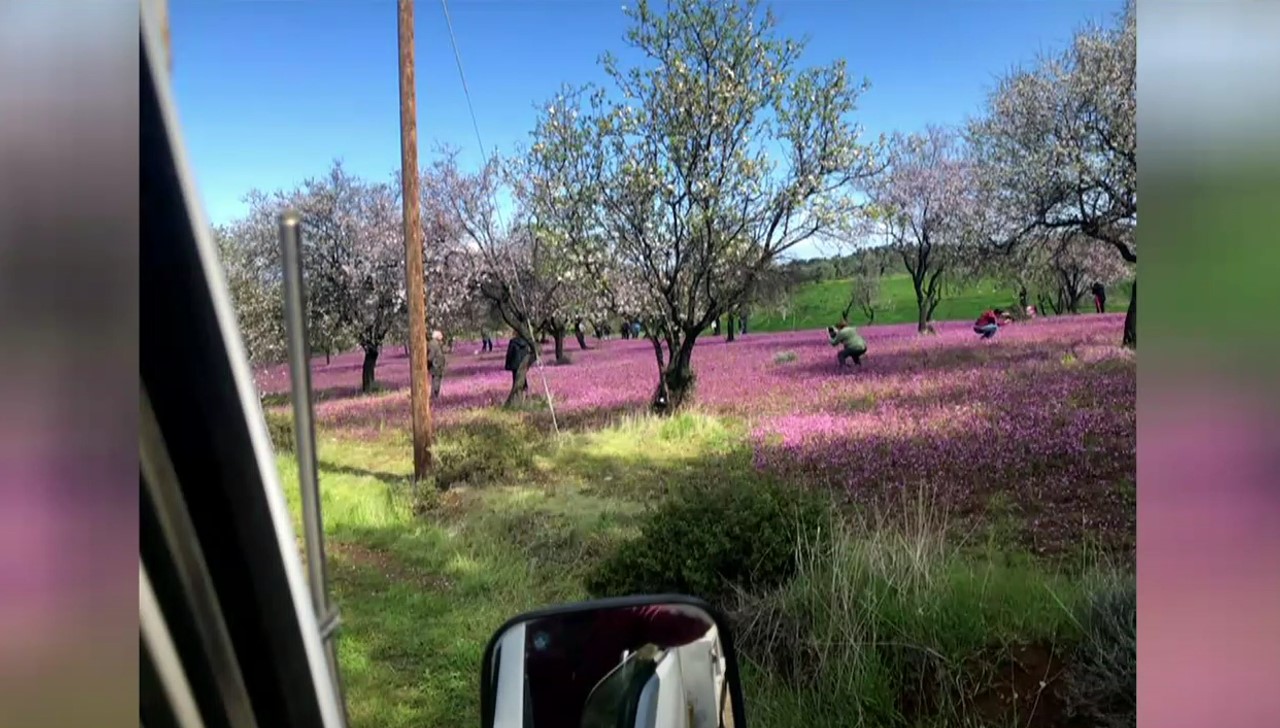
466,90
484,155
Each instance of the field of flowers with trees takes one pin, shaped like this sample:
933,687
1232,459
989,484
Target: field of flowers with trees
943,535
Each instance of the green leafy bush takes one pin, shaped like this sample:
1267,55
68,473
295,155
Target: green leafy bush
280,427
707,540
486,447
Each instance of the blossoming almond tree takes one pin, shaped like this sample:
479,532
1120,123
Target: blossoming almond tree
923,208
1058,142
450,276
253,278
520,271
716,154
349,242
353,257
1060,269
250,249
558,185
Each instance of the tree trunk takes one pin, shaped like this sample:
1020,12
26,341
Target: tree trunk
519,383
675,380
1131,319
732,325
922,307
561,357
370,367
1073,294
582,339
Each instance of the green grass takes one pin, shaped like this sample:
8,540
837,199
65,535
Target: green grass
877,617
423,578
817,305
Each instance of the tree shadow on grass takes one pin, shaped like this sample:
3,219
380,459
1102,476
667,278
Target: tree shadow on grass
328,394
391,479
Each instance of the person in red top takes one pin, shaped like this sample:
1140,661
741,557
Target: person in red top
990,322
567,655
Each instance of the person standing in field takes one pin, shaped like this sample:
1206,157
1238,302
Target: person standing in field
436,361
851,344
1099,298
486,341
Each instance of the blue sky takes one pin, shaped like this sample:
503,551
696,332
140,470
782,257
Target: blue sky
271,91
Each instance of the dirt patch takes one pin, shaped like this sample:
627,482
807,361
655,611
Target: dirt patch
1025,689
386,564
1021,686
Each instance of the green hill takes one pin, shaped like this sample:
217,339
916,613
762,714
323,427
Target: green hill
816,305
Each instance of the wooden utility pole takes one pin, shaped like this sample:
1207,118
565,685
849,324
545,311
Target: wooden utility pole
419,381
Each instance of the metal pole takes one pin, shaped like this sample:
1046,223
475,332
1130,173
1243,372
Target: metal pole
415,280
304,435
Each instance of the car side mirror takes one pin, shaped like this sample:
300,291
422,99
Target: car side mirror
647,661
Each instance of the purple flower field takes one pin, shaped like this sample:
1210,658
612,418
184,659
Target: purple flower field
1043,414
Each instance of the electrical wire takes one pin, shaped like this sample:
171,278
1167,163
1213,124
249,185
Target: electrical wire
475,125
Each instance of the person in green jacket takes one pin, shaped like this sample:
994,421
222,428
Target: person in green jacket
851,344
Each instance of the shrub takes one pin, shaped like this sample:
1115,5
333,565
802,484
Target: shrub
486,447
709,540
889,623
1104,675
280,427
784,357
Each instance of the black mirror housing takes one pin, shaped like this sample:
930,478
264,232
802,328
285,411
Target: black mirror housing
660,661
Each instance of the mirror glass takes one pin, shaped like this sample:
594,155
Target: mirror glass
647,666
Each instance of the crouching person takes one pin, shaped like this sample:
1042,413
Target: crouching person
990,322
851,344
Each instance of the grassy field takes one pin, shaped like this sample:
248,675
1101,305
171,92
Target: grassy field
818,305
875,615
877,569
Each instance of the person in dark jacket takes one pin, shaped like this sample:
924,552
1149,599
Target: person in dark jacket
567,655
1099,298
518,351
436,361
